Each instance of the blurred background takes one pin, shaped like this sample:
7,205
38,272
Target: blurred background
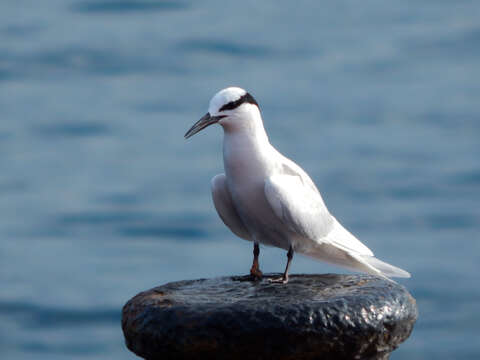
101,197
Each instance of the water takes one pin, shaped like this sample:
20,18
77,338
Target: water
101,197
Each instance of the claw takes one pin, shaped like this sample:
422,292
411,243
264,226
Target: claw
281,280
256,273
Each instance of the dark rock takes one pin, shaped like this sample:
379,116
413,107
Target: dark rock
311,317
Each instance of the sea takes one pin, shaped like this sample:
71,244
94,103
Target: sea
101,197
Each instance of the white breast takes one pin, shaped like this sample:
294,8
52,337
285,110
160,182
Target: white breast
247,166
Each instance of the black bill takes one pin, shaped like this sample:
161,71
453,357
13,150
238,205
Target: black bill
201,124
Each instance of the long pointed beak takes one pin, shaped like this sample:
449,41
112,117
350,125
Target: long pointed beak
201,124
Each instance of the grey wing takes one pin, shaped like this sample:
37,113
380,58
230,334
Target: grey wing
225,207
300,206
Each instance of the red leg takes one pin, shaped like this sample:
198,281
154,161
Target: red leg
255,270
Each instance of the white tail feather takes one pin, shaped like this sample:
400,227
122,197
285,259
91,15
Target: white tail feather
383,267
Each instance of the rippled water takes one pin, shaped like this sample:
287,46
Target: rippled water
101,197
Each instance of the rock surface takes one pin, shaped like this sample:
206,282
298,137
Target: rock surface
311,317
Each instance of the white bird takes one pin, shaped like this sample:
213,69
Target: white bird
266,198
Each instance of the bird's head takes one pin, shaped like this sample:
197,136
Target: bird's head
228,107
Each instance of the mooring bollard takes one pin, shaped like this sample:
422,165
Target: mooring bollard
311,317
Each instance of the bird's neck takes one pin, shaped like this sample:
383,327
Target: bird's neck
247,126
246,149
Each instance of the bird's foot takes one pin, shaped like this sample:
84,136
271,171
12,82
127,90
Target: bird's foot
255,273
281,280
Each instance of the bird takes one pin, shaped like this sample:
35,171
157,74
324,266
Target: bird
268,199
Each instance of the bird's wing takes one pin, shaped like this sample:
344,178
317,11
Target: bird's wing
298,204
343,239
295,200
225,208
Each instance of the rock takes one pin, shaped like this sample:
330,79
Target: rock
311,317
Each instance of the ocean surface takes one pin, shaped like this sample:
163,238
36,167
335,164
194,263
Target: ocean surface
101,197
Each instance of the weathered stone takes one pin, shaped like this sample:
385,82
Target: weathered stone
311,317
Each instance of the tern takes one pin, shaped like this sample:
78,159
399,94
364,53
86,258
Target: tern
268,199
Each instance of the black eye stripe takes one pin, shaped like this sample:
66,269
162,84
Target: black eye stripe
247,98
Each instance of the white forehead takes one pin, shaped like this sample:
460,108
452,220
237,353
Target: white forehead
224,97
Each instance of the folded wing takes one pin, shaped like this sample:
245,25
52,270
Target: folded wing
298,204
302,210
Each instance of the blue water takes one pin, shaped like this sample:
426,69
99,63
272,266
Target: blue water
101,197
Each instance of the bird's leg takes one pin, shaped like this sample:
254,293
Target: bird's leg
255,270
284,278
